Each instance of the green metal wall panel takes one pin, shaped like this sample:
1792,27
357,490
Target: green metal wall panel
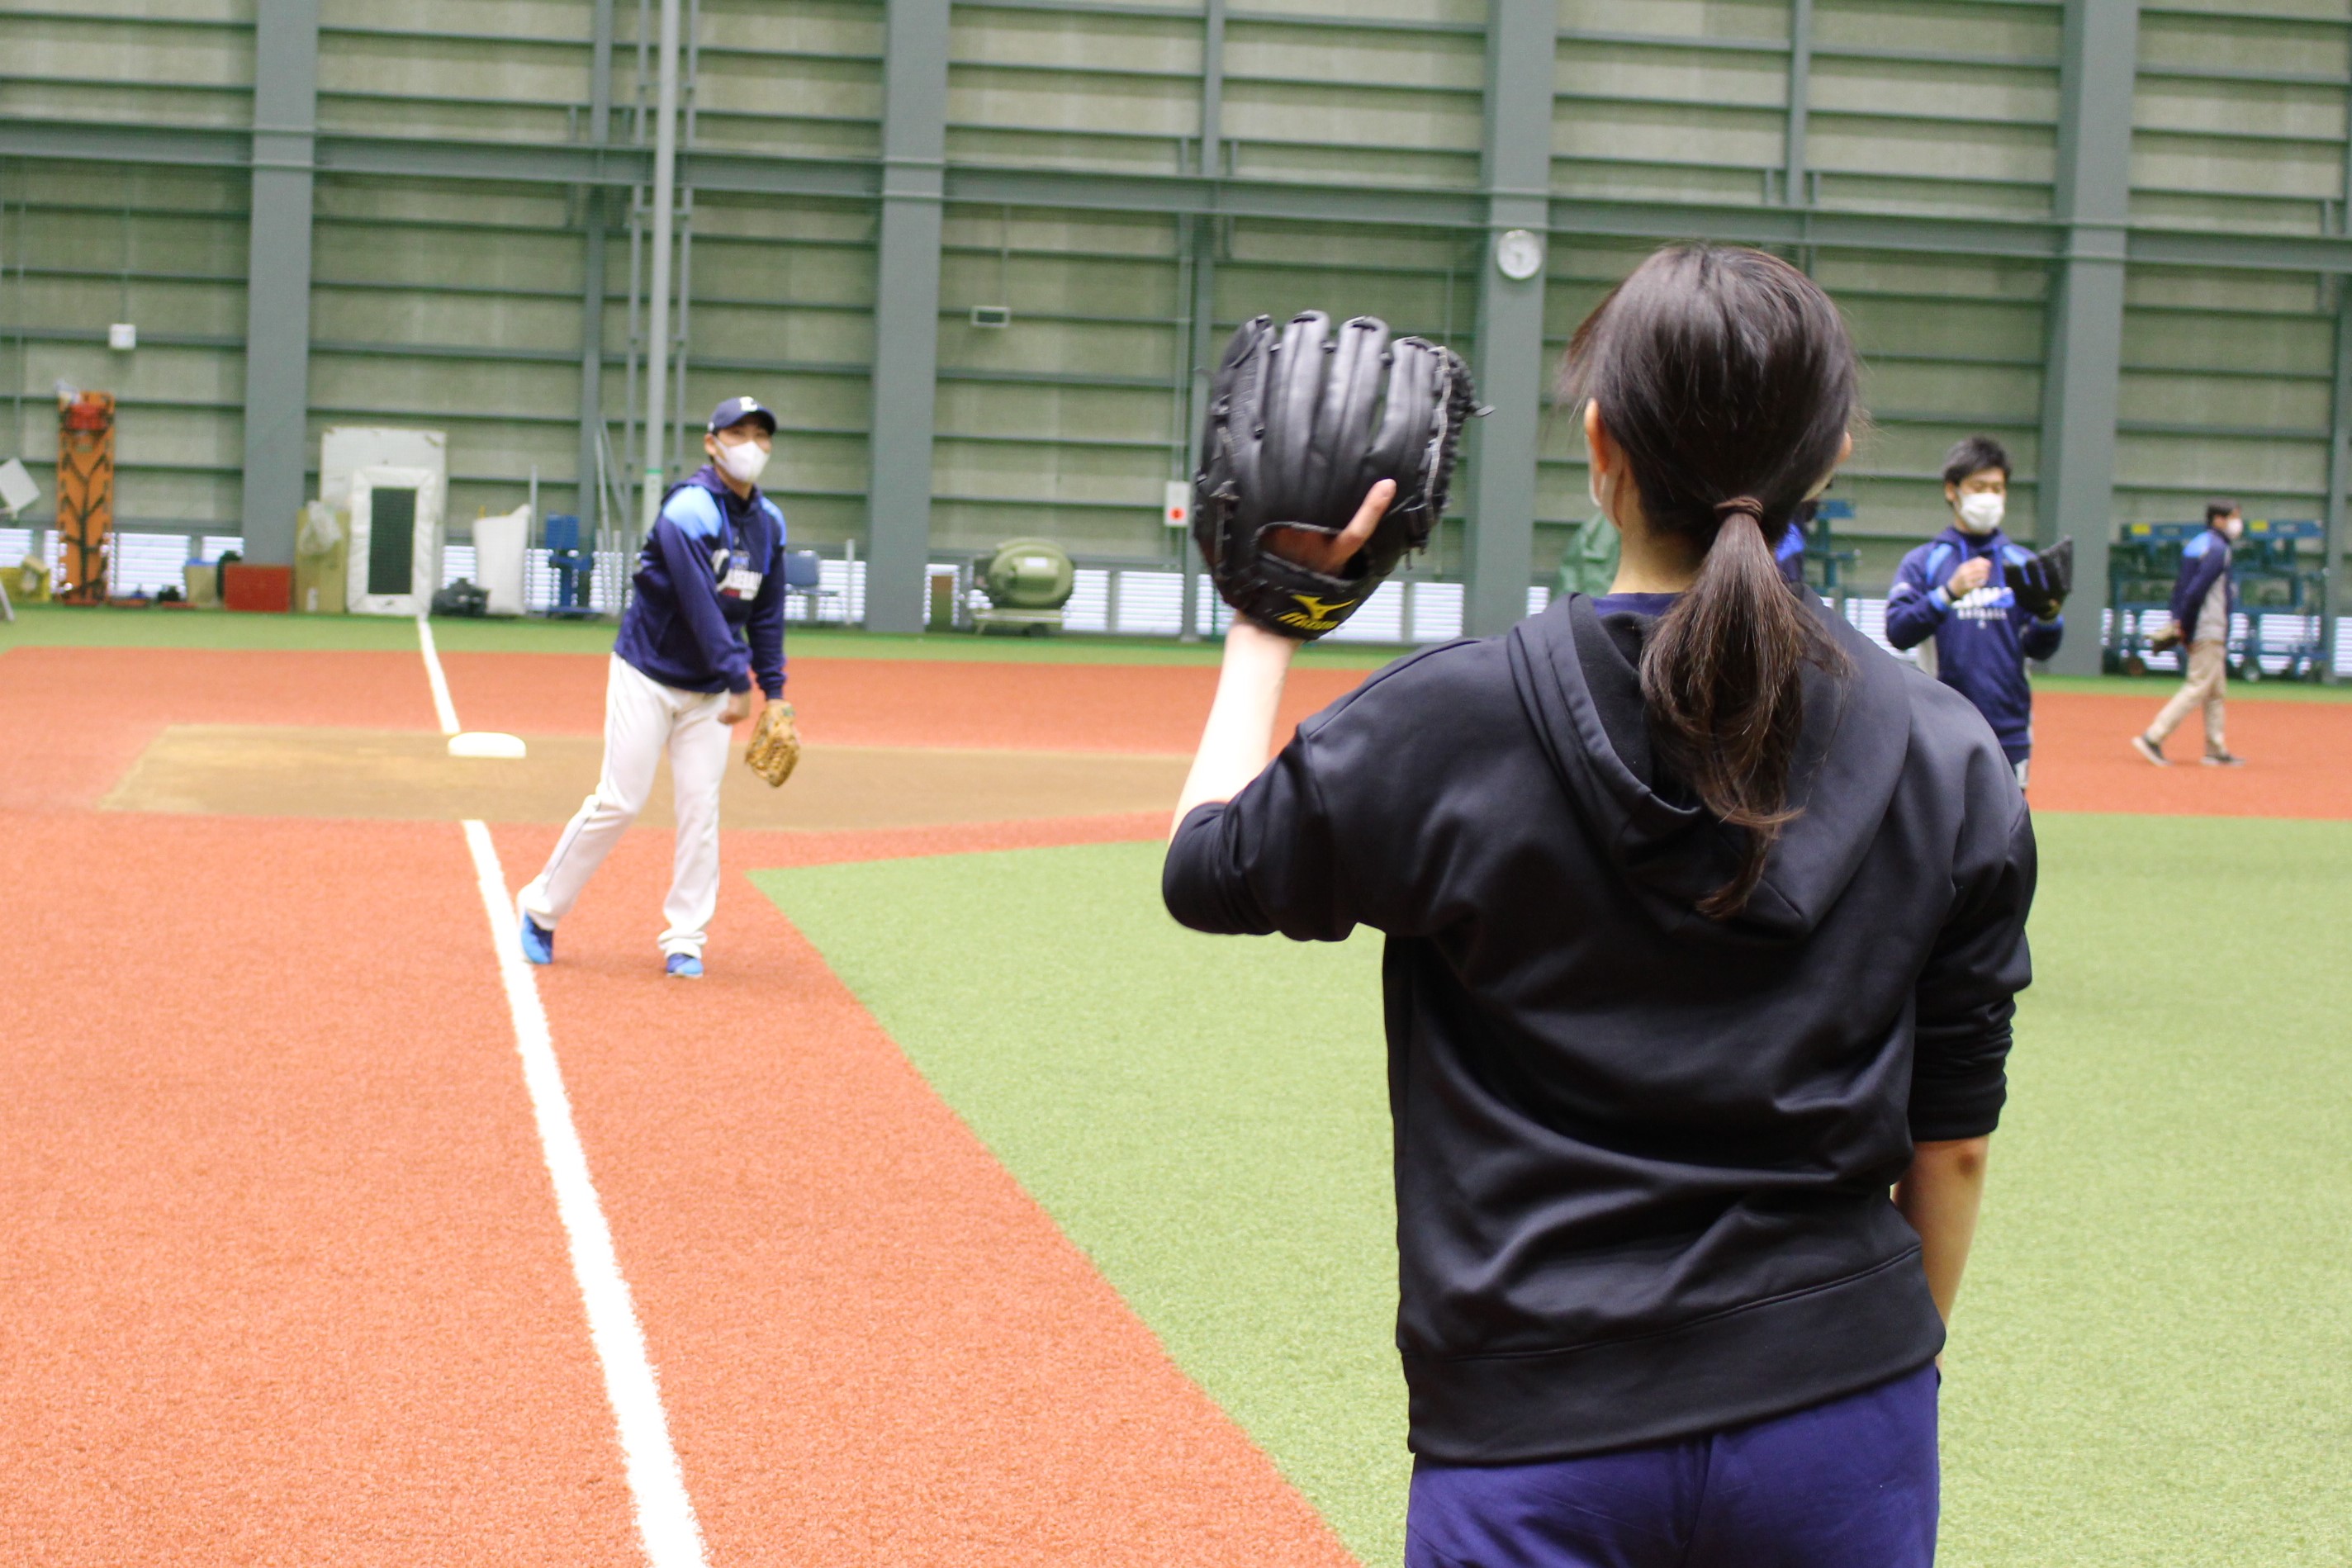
83,245
782,309
1096,323
456,301
188,63
803,79
2225,392
455,310
1944,106
2238,118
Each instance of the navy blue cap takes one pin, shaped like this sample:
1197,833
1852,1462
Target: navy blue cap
736,410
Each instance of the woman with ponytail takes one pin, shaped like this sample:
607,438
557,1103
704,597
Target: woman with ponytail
1705,923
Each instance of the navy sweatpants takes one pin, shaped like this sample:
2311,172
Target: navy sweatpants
1848,1484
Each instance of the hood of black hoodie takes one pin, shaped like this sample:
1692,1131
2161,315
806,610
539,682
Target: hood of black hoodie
1578,682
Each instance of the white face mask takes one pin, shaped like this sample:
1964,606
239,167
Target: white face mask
1980,512
742,460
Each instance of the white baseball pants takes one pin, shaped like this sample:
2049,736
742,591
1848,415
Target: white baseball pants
644,718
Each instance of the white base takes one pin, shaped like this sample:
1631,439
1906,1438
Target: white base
486,743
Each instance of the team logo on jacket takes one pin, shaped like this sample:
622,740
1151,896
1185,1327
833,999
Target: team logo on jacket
1314,614
1986,603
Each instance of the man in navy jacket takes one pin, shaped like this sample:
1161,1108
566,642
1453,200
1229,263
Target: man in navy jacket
2203,599
706,621
1954,588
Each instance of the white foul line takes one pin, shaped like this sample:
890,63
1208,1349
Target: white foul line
666,1518
443,708
664,1513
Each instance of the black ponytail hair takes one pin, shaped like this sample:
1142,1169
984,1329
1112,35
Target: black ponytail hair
1728,379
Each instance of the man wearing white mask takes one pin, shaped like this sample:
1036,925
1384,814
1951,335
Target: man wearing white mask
1961,588
707,619
2202,601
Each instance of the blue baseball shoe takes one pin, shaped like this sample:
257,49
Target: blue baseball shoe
537,941
685,967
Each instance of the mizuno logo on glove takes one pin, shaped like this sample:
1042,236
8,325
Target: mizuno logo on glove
1314,614
1304,421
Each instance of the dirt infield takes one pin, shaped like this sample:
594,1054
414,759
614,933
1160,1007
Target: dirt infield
75,719
874,702
272,772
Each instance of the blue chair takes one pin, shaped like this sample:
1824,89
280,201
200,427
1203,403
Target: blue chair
803,575
574,566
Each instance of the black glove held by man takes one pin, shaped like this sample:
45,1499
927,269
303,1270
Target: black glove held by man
2043,583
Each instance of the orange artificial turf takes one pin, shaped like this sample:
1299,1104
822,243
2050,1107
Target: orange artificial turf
284,1276
2299,760
292,1276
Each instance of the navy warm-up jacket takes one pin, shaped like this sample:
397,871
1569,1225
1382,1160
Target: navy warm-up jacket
1643,1156
2203,560
1982,641
690,625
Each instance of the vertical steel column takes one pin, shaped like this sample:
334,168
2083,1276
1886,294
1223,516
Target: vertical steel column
686,454
907,315
1801,98
1520,51
655,475
2339,438
1202,308
2340,478
277,274
2081,384
588,498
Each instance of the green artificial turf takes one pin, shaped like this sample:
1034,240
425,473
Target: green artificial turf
2153,1360
2154,689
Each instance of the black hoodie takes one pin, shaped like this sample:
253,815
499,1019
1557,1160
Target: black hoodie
1643,1156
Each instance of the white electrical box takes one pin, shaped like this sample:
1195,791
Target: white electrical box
501,546
1178,513
122,337
18,490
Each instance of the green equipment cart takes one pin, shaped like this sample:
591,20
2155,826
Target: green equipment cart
2277,567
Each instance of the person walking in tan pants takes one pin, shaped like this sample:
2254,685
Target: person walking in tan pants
2201,603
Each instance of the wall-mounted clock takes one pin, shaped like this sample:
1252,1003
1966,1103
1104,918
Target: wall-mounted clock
1518,254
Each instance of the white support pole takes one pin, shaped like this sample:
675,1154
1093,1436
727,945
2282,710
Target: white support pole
657,324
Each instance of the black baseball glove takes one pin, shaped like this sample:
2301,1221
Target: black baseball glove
1301,425
2043,583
